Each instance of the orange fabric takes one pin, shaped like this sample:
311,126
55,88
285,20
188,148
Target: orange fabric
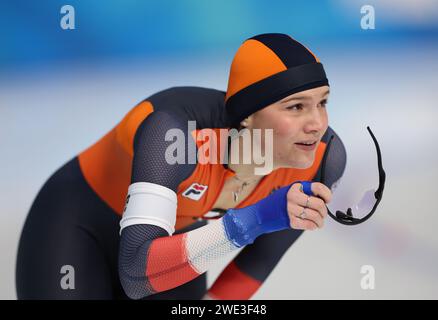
127,128
107,164
178,268
253,62
234,285
182,222
211,175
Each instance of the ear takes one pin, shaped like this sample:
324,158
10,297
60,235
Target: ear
247,122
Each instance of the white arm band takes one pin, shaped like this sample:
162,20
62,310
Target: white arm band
150,203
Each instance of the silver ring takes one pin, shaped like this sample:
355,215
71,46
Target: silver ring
307,202
303,214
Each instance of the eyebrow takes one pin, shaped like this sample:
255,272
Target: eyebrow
304,97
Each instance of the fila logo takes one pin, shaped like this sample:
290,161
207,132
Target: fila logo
195,191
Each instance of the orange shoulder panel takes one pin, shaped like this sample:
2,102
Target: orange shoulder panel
107,164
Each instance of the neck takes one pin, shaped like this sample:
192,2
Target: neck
244,171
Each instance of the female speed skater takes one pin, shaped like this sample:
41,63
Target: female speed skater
133,223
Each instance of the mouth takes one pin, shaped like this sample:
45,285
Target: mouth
307,145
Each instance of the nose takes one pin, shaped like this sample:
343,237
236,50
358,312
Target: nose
316,121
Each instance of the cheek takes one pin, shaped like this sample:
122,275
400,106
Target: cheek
285,131
286,128
285,135
278,121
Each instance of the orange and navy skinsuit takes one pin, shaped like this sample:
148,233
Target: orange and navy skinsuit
132,152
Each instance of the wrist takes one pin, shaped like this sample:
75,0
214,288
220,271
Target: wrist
244,225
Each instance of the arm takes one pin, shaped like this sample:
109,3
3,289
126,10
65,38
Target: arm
151,260
251,267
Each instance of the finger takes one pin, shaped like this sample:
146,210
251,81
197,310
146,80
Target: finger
302,224
322,191
318,205
310,214
313,216
314,203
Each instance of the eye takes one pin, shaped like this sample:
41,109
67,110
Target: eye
323,103
297,106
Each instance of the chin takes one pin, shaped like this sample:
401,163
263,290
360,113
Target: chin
300,164
305,163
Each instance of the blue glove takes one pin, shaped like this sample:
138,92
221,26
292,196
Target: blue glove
244,225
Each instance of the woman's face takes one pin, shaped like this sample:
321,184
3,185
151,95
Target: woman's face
300,117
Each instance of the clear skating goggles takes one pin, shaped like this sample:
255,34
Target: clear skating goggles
366,207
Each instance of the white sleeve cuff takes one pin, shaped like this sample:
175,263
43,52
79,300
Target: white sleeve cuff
150,203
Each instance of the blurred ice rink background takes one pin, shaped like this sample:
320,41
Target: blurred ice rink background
61,90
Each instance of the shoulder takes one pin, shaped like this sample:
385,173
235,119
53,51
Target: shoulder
184,95
204,105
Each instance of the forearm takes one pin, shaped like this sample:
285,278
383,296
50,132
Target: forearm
169,261
149,264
